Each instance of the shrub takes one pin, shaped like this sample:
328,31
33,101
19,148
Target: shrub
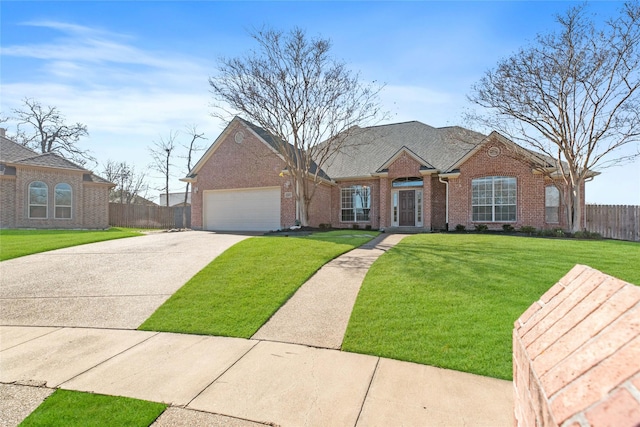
460,227
545,233
527,229
508,228
584,234
481,227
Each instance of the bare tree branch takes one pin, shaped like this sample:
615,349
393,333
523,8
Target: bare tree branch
573,96
161,152
192,147
310,102
130,185
44,129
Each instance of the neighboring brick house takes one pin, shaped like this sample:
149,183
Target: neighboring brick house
48,191
398,175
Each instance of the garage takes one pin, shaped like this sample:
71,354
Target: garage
251,209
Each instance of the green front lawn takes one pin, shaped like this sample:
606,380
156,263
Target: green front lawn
17,243
242,288
72,408
451,300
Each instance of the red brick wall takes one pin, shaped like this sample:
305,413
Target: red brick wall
7,201
320,206
576,353
90,202
530,204
95,211
438,203
404,166
249,164
384,205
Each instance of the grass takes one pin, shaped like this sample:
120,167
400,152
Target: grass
15,243
451,300
71,408
242,288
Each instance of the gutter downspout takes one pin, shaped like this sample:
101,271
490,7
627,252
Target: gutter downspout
584,221
446,183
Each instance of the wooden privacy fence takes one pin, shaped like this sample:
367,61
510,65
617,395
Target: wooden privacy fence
614,221
147,216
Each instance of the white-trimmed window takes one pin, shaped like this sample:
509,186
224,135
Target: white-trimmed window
62,201
551,204
355,203
38,200
493,199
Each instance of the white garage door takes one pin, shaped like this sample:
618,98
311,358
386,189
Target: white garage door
254,209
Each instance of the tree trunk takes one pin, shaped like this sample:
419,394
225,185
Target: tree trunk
574,204
303,210
576,220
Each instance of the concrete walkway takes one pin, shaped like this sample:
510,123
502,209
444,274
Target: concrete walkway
246,382
318,313
270,379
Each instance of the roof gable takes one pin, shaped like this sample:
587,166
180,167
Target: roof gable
405,150
237,121
536,159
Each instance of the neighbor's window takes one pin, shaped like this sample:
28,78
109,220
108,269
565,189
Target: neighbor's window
493,199
551,204
38,199
355,202
63,201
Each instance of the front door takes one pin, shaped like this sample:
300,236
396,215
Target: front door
407,208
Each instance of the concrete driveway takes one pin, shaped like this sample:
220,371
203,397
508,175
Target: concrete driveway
112,284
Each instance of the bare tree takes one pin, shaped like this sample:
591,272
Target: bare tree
130,185
161,152
572,96
43,128
192,147
309,101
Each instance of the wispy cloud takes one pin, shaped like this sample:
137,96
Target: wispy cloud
127,95
104,80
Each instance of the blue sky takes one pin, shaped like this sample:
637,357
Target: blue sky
135,71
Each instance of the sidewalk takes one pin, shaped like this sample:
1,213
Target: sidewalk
318,313
250,381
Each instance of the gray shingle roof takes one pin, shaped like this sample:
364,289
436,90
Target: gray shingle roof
370,148
11,152
277,144
49,160
14,153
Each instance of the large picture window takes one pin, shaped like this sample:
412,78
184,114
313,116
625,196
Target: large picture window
355,203
63,201
551,204
493,199
38,200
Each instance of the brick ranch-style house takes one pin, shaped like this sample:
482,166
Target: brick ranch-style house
407,175
49,191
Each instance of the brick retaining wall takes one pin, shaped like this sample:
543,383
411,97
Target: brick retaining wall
576,354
